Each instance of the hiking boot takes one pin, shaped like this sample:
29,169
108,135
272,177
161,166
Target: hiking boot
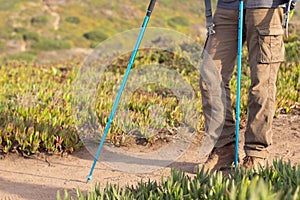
255,163
219,159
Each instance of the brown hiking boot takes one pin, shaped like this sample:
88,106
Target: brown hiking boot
254,162
219,159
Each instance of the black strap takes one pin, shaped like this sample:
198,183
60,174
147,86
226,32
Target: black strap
209,19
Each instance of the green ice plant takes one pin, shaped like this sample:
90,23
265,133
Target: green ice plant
36,100
281,181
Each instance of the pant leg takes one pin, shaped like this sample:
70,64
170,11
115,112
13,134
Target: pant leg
266,52
215,74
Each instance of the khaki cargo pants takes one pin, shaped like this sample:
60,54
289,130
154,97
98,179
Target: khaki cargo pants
263,31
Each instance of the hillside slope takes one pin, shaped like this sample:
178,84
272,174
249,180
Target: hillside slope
32,26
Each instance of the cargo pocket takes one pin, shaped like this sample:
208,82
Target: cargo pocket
271,45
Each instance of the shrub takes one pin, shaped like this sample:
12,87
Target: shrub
178,21
39,21
2,45
26,34
22,56
95,35
94,44
5,34
20,29
45,44
73,20
31,35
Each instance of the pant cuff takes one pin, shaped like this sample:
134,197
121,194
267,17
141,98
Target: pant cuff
256,153
224,142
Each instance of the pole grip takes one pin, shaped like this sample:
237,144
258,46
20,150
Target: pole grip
151,7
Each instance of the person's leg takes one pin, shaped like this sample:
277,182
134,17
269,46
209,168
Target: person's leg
266,52
215,74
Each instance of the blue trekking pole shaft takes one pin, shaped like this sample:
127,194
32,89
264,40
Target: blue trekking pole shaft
131,61
239,69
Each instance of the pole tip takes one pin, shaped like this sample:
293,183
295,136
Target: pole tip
89,178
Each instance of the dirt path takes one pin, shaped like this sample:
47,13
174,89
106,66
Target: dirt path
54,14
41,178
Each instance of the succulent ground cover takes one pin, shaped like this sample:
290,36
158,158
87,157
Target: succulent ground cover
279,181
36,100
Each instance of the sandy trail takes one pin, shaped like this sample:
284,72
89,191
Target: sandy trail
41,177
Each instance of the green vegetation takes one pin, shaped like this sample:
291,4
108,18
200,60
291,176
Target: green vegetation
36,100
36,104
22,56
36,113
2,45
96,35
31,36
178,21
36,42
99,18
8,5
74,20
39,21
281,181
25,34
5,35
102,18
46,44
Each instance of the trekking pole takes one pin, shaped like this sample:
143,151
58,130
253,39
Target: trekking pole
131,61
288,13
239,68
287,18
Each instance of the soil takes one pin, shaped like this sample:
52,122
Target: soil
41,176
